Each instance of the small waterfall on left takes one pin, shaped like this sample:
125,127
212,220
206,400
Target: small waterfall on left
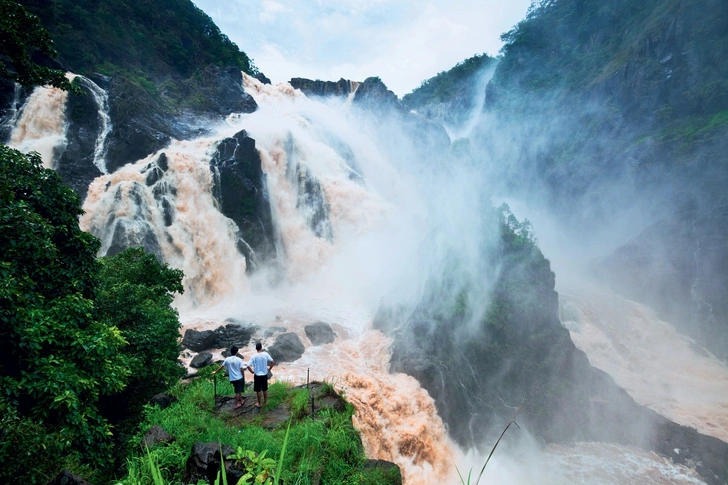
41,124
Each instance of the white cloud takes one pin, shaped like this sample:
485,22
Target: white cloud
270,11
402,41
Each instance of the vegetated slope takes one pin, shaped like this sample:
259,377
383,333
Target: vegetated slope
450,95
618,88
624,103
166,67
599,107
481,367
158,37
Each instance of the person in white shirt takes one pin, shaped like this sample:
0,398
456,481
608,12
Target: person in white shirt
260,364
234,365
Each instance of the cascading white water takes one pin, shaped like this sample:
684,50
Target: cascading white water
41,123
101,98
388,229
657,366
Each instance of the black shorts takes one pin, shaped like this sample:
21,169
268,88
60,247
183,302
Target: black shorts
260,383
238,385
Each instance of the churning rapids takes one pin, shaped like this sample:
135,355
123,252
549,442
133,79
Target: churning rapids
380,244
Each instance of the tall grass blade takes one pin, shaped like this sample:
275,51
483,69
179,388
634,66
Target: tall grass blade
283,453
154,469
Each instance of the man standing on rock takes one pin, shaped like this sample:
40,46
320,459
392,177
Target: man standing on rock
260,364
234,366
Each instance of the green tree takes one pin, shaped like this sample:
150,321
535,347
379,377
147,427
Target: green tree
56,360
21,37
134,295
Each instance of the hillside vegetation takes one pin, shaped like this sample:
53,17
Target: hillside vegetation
619,86
160,38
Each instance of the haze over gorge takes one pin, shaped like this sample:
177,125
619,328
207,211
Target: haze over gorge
540,236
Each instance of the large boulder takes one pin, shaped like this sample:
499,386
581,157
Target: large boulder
205,462
320,333
238,334
287,348
156,435
242,192
201,360
199,340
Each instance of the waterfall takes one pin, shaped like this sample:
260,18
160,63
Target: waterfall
41,124
354,226
101,98
657,366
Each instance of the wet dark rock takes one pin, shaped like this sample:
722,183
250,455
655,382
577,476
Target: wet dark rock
199,340
129,234
522,357
163,400
205,462
287,348
201,360
68,478
12,98
75,164
156,435
312,202
141,124
237,334
262,78
242,192
221,90
320,333
342,87
156,169
392,470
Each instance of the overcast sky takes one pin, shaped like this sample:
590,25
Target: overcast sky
402,41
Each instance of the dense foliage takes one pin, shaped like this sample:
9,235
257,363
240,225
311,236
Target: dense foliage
56,360
22,39
616,86
134,295
323,449
460,81
155,37
83,343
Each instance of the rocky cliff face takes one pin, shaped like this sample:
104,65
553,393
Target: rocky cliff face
679,267
342,87
520,358
241,190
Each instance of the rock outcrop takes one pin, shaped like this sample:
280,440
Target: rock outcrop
680,268
343,87
320,333
522,358
76,164
287,348
222,337
242,193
